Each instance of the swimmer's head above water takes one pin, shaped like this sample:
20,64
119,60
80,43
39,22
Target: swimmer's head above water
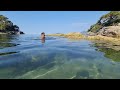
42,35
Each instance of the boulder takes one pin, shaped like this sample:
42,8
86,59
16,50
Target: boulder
110,31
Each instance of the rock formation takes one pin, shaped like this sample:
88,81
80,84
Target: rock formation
108,25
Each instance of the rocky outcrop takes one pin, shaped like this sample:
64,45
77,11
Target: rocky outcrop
7,27
108,25
91,34
110,31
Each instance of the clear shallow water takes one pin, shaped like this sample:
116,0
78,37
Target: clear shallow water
26,57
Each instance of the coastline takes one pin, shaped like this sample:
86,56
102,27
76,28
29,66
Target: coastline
115,41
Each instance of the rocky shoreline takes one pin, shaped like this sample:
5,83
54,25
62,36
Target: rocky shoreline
71,35
102,41
110,31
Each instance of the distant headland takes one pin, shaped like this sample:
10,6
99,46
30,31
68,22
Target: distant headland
7,27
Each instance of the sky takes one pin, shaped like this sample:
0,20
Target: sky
35,22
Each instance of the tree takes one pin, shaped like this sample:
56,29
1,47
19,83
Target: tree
7,26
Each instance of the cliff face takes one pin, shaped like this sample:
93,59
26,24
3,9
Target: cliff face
107,25
7,27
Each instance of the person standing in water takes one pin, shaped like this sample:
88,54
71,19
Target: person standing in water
43,37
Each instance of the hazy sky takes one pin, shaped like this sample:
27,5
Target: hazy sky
35,22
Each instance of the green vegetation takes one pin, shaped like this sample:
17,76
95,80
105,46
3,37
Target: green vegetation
7,27
112,18
111,53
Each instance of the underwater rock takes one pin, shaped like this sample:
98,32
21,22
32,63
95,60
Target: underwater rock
82,74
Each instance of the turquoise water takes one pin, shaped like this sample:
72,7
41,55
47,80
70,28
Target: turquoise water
27,57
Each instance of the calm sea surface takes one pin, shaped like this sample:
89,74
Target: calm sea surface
27,57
